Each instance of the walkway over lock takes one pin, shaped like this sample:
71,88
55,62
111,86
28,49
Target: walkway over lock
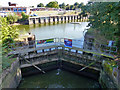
77,46
55,49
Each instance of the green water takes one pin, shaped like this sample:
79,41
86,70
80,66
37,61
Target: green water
58,79
64,30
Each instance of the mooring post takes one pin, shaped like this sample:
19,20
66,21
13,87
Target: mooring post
57,19
39,20
49,20
44,20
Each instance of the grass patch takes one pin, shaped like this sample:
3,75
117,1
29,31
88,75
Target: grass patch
6,62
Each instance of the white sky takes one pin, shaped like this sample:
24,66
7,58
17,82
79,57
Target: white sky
35,2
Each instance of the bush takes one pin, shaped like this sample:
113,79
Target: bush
24,16
12,18
9,33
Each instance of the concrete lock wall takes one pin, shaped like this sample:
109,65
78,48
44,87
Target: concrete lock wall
12,76
39,20
109,79
55,19
62,65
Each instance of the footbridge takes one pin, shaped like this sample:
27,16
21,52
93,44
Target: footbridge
37,52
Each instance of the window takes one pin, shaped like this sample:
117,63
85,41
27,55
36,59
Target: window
15,9
19,10
3,9
24,9
9,9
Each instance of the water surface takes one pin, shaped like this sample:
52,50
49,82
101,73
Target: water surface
58,79
65,30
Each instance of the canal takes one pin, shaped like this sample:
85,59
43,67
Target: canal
57,78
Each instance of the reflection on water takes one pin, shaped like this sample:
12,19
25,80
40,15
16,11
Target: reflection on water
66,30
58,79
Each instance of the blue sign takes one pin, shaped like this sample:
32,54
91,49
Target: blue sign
68,42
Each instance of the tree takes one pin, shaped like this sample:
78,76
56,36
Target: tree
62,5
80,5
40,5
67,7
24,16
105,19
76,4
12,18
9,33
72,7
53,4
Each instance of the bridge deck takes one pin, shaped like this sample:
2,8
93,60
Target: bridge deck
27,50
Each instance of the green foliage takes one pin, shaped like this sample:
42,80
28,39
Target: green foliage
9,33
24,16
76,4
6,62
67,7
40,5
105,19
109,65
80,5
62,5
72,7
53,4
12,18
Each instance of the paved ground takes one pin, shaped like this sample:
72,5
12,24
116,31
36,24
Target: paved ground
53,13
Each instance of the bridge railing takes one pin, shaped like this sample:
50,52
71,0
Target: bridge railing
61,41
42,43
100,47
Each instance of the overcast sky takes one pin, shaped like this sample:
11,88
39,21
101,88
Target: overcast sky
35,2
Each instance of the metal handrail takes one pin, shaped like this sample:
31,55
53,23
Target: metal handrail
60,41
